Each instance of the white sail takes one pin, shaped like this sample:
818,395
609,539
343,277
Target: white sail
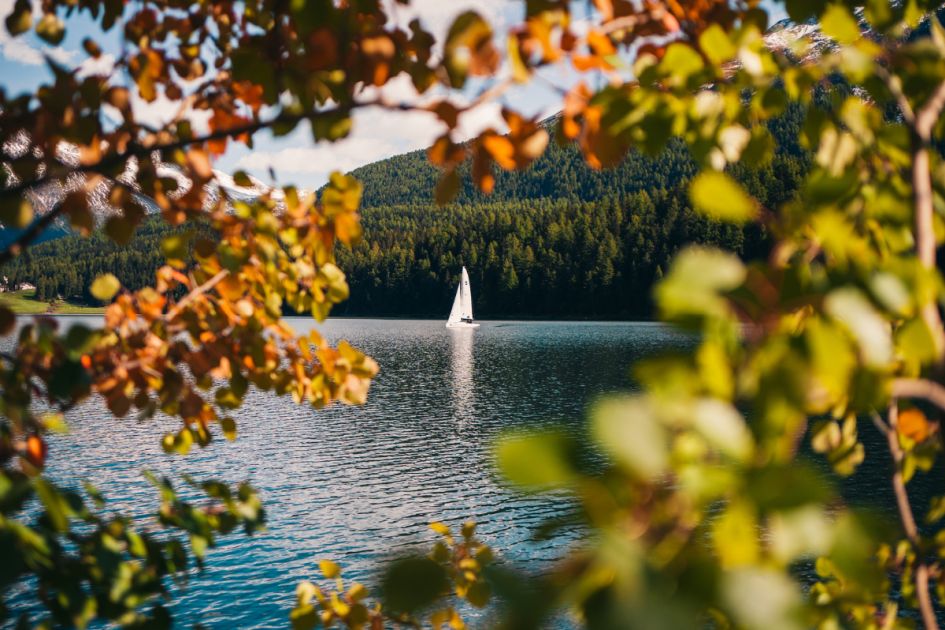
461,315
455,313
466,301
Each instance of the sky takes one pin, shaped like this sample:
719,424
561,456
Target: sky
296,158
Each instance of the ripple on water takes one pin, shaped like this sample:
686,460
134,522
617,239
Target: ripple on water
359,485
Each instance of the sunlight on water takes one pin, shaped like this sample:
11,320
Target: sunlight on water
360,485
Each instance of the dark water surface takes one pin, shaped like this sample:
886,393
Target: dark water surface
360,484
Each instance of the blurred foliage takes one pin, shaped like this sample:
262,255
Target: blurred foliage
702,510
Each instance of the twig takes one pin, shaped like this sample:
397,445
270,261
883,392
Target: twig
908,521
921,132
190,297
919,388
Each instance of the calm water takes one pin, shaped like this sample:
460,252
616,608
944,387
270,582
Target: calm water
360,484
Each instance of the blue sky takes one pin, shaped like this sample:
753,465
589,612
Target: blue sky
296,159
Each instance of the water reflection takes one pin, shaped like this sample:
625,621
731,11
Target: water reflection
360,484
461,365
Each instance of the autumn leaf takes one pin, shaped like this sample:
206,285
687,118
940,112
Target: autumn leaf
914,425
105,287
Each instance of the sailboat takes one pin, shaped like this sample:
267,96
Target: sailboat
462,316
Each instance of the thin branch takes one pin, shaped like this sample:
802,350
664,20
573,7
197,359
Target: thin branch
908,521
926,117
895,87
878,422
919,388
921,131
190,297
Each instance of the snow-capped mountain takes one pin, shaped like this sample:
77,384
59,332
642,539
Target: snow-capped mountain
804,41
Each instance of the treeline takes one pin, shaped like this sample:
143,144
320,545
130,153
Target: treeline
557,240
541,258
65,267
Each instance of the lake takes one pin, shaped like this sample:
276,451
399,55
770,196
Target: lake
360,484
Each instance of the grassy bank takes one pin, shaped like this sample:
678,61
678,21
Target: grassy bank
24,303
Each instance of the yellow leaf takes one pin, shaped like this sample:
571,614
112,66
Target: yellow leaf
105,287
329,569
440,528
735,536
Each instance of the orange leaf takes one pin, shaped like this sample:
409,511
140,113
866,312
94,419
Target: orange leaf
36,450
501,149
914,425
600,44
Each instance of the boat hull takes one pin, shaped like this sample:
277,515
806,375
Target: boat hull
461,325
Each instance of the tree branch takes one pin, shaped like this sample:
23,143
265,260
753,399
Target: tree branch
190,297
908,521
921,132
919,388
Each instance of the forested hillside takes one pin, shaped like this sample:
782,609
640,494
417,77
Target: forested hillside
65,267
557,240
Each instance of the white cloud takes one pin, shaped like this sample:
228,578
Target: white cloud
103,66
160,112
438,15
377,134
17,49
320,159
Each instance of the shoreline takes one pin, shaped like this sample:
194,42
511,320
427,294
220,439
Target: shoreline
407,319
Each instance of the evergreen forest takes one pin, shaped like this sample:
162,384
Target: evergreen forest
558,240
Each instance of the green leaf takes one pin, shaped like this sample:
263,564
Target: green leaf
680,62
755,597
871,331
838,23
410,584
716,45
175,248
915,342
719,197
240,178
55,504
478,594
120,229
724,428
537,461
804,532
695,282
628,430
104,287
